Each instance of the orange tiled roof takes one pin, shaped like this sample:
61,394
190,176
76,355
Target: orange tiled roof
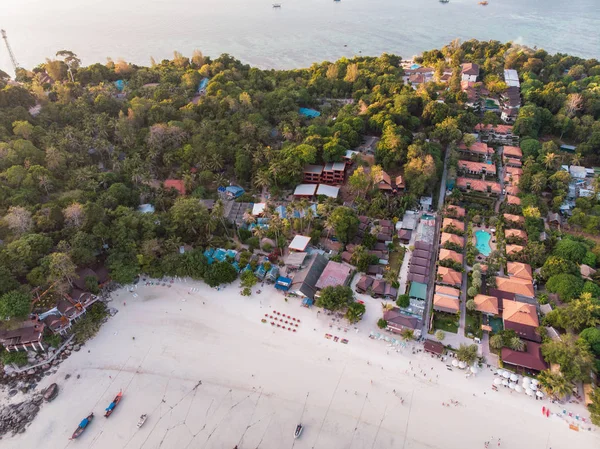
449,276
458,211
514,171
514,218
519,270
176,184
486,304
453,222
514,152
448,291
515,285
511,199
452,238
515,233
513,190
477,148
513,249
446,302
520,313
478,185
452,255
477,167
502,129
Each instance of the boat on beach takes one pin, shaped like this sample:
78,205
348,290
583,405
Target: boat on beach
444,1
82,426
111,407
298,431
142,420
276,5
484,3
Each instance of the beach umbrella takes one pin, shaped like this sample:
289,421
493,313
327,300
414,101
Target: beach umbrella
462,365
518,388
539,394
506,375
511,386
529,392
534,381
474,370
455,363
505,383
497,381
500,372
526,382
514,377
533,387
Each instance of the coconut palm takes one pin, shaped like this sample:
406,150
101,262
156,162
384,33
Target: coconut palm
576,159
470,305
262,180
516,344
467,353
550,160
408,334
497,342
554,384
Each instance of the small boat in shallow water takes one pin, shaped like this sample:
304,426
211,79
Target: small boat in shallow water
298,431
82,426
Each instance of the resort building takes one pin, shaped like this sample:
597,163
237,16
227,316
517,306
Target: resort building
516,234
453,211
27,337
448,276
522,318
304,283
446,254
513,200
469,72
513,249
499,134
477,185
488,305
451,223
477,168
514,219
519,270
334,173
511,152
312,174
398,322
452,239
515,286
334,274
305,190
328,191
176,184
299,243
530,359
477,150
446,299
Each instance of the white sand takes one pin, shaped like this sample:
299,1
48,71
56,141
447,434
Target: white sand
259,382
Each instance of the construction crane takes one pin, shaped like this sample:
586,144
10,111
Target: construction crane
10,52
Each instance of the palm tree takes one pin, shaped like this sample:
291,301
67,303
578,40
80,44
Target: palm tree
516,344
470,305
262,180
408,334
550,160
310,215
467,353
497,342
576,159
554,384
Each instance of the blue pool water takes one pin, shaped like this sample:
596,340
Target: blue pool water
483,242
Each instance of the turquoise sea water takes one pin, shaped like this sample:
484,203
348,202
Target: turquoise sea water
483,242
295,35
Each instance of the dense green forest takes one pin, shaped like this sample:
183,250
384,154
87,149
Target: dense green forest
74,170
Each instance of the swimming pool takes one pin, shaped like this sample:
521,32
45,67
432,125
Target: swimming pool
483,242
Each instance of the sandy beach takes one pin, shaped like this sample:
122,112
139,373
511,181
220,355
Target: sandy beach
258,382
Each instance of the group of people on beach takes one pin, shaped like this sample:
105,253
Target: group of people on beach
487,443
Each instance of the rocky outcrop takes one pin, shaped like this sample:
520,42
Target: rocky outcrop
15,418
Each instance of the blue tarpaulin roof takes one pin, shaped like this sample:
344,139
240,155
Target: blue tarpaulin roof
310,113
283,283
203,84
120,85
307,302
234,190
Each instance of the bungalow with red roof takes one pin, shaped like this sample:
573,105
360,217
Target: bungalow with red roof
176,184
476,168
519,270
530,359
515,286
446,299
488,305
469,72
501,134
397,322
517,234
448,224
453,239
515,219
446,254
522,318
448,276
453,211
513,200
28,336
477,149
512,250
511,152
478,185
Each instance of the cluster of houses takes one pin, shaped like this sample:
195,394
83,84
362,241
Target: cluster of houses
411,317
581,185
59,319
449,278
511,97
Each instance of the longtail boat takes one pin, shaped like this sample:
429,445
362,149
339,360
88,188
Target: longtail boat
113,404
82,426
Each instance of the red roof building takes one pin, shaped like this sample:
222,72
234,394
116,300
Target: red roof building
176,184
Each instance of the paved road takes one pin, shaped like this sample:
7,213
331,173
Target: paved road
442,196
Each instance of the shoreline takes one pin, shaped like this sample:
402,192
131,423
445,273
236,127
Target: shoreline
259,382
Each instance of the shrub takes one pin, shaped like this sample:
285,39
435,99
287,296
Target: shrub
19,358
87,326
566,285
403,301
382,324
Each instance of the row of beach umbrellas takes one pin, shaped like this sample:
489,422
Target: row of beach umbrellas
463,365
510,380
